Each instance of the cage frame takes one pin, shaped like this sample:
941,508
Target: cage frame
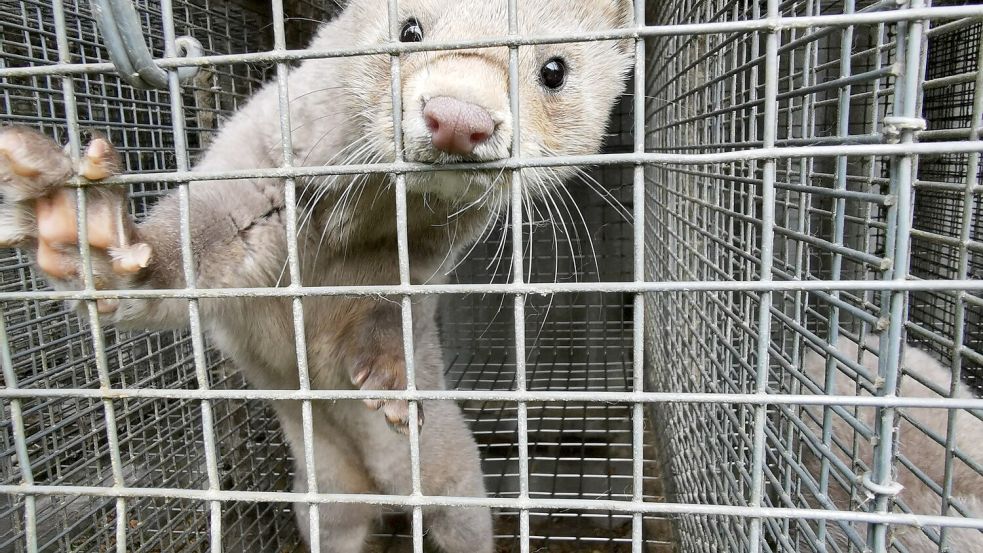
765,27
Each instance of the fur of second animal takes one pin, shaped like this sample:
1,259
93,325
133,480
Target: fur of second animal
914,445
455,108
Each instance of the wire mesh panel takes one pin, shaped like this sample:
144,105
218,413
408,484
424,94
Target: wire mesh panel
820,208
159,440
945,213
581,341
752,322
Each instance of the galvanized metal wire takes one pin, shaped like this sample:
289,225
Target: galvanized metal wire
780,175
824,219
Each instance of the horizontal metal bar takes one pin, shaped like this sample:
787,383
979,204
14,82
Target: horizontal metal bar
948,344
946,286
948,134
948,80
796,93
498,395
558,161
947,186
951,26
724,27
862,257
870,138
530,503
953,241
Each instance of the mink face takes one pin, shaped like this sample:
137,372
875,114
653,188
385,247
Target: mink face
455,108
456,105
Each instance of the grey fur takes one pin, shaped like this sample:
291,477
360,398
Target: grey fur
348,236
921,450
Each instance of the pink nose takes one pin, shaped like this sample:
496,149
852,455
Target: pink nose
457,127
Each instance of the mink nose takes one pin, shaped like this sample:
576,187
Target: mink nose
457,127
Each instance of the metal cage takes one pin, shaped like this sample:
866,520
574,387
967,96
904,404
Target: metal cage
780,177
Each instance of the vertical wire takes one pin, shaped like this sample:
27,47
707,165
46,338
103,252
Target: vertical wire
767,261
296,283
839,215
187,262
98,341
803,261
187,257
873,171
519,303
751,133
959,326
909,47
638,309
787,440
20,441
406,302
737,131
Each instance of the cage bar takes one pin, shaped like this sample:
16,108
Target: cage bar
766,192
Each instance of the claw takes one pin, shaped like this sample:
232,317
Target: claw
16,167
398,416
130,259
360,378
100,160
385,371
107,306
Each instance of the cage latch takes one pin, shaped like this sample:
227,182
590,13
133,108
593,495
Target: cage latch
894,126
122,35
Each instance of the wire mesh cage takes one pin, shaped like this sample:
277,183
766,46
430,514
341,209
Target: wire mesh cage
762,330
822,210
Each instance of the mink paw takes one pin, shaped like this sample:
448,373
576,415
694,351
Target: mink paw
38,211
382,371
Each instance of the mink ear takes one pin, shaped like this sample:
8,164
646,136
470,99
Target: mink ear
624,13
623,16
610,14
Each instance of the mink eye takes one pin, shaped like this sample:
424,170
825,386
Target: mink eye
553,73
412,31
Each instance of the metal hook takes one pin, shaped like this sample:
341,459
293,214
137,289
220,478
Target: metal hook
123,36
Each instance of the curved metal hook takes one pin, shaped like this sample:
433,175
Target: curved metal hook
123,36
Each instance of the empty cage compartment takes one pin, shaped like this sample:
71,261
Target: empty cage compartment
816,204
760,326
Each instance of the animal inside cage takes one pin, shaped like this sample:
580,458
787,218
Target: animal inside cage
751,323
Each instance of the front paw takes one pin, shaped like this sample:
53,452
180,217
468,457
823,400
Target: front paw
38,211
386,371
